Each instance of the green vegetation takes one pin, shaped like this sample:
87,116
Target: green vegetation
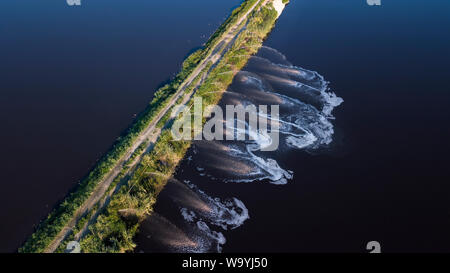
57,219
117,225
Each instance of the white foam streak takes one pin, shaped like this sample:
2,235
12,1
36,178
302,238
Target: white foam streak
228,214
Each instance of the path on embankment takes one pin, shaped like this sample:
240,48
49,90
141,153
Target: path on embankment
151,133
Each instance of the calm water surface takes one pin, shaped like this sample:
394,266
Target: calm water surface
385,175
71,80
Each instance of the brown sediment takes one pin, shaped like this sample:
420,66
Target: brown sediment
168,233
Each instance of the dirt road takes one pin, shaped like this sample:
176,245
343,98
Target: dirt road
151,133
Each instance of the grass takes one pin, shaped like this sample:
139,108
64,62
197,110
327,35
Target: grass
49,228
114,232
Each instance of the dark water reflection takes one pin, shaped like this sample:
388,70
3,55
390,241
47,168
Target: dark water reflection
384,177
71,80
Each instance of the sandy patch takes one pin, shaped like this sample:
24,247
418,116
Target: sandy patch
279,6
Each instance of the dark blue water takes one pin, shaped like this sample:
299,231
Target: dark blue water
71,80
385,177
388,180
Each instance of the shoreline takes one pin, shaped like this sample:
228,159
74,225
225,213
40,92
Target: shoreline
120,222
279,6
64,219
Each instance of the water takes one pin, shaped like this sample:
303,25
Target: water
72,79
382,177
306,105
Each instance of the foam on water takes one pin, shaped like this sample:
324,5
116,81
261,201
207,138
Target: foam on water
227,214
205,217
304,123
306,106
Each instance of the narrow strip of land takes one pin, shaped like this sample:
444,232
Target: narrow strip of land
151,133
